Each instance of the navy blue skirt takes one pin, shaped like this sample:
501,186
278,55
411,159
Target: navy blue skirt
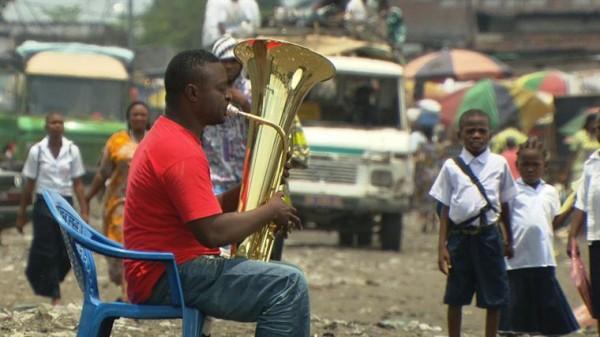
48,262
537,304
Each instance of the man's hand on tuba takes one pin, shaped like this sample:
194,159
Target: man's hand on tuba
286,168
284,215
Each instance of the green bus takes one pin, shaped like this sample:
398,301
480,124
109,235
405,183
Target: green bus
86,83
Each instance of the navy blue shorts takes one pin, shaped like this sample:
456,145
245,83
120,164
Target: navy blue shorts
477,267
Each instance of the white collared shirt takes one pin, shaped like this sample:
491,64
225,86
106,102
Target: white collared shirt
55,174
588,195
532,212
455,189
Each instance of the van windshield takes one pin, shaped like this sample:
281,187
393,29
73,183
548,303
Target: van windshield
78,98
7,91
356,101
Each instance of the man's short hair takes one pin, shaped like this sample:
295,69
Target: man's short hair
52,114
473,112
183,69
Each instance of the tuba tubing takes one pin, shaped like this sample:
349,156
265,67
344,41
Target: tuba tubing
281,75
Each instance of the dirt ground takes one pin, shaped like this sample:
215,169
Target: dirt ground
354,292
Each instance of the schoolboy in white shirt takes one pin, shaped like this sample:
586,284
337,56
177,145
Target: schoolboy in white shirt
470,248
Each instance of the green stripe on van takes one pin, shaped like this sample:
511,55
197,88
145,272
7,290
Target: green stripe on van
340,150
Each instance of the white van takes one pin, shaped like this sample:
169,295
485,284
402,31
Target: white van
360,174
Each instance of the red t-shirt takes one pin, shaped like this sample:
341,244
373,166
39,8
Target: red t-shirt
168,186
511,157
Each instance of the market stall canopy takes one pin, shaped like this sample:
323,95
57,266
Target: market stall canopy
506,104
460,64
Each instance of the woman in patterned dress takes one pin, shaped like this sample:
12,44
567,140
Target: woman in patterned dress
114,166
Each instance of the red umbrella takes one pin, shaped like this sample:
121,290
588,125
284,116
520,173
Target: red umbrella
460,64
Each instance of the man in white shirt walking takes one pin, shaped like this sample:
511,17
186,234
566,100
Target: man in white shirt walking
53,164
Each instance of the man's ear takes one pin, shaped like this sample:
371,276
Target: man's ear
192,92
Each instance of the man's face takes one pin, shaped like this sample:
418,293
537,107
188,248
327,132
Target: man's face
214,95
233,69
475,133
55,125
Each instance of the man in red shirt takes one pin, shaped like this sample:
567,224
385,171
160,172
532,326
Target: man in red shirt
170,207
510,154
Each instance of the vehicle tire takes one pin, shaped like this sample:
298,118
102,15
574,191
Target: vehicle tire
345,238
364,238
391,231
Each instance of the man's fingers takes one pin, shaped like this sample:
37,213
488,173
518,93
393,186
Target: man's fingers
443,267
448,264
295,221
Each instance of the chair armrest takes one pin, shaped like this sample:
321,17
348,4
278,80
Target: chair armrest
119,252
103,239
168,259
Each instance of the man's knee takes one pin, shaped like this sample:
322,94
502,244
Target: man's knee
296,279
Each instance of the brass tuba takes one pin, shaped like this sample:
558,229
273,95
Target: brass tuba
281,74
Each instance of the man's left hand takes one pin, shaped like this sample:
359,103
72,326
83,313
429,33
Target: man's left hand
509,251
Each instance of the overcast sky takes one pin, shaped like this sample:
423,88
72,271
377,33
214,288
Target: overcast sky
91,10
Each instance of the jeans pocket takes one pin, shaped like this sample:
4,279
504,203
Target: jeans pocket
454,242
492,242
201,272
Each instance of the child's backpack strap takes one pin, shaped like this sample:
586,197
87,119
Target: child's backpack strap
467,170
39,157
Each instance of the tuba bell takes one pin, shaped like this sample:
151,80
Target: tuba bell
281,75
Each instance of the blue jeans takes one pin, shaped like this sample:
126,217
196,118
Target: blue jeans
274,295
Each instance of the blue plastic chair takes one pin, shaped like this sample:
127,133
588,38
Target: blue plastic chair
97,317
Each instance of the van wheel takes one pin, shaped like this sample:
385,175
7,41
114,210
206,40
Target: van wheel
345,238
364,238
391,231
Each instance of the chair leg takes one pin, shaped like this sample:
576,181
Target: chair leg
192,322
106,327
93,323
87,323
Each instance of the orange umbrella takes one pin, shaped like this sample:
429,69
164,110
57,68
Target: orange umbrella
460,64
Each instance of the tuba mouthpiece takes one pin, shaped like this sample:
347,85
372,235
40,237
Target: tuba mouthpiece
232,110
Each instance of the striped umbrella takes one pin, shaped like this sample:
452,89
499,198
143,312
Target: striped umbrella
460,64
506,104
551,81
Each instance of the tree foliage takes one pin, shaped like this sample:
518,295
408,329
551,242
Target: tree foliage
3,3
63,14
178,23
174,23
